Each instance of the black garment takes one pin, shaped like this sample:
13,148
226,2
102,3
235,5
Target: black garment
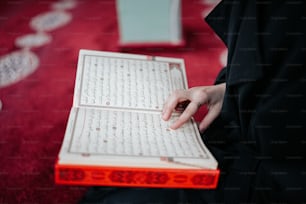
259,139
262,150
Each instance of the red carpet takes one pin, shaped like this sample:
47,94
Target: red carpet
35,109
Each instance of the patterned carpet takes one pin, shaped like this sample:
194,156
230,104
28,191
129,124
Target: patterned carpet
39,44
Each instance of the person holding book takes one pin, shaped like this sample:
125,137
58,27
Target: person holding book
255,125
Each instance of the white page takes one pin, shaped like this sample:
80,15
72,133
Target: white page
143,139
118,82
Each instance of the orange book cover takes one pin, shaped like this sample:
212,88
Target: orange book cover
115,134
136,177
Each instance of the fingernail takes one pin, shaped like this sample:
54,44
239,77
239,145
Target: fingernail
164,117
172,127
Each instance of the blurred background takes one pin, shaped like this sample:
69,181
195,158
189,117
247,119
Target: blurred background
39,45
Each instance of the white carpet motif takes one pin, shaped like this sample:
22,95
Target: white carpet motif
16,66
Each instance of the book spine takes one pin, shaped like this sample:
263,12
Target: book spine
136,177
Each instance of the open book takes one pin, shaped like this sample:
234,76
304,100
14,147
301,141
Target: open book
115,134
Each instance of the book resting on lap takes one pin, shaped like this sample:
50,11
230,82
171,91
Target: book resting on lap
115,135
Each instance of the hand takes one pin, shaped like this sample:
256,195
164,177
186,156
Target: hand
212,96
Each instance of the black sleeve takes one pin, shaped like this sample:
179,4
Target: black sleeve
221,77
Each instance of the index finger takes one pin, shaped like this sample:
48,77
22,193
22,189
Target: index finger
173,100
186,115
